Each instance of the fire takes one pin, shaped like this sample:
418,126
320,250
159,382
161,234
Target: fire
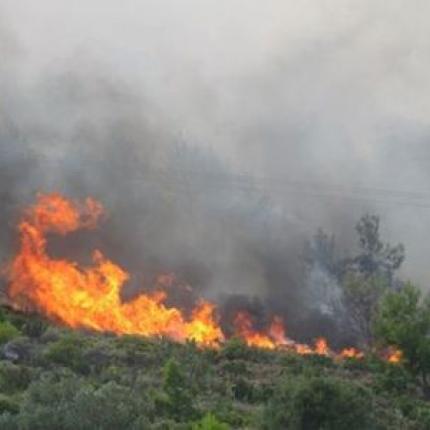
275,337
351,353
395,356
277,332
243,328
321,347
90,297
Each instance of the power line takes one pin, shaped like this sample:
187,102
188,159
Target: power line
248,183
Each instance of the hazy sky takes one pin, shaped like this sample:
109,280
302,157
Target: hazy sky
345,73
331,92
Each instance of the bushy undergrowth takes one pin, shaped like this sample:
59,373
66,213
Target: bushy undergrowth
315,403
53,378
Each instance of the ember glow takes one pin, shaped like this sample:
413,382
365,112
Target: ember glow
90,297
395,356
351,353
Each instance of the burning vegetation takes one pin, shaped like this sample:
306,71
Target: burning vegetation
168,363
90,297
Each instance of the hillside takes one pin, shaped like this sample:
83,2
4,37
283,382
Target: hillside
55,378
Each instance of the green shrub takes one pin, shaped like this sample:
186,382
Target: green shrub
14,377
9,421
318,403
210,422
235,349
262,392
423,417
178,402
8,405
243,390
109,407
8,332
68,351
394,379
293,363
228,412
66,402
403,321
235,367
34,327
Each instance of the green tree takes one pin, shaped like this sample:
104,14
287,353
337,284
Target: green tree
375,257
361,297
403,321
366,277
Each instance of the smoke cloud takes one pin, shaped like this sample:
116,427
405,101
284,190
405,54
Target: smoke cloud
220,134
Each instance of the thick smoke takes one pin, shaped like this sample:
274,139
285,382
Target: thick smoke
220,137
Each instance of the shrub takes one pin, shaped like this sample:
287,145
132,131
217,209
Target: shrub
68,351
394,379
243,390
9,421
14,377
178,403
318,403
423,417
235,367
8,405
66,402
210,422
404,321
8,332
109,407
227,412
34,327
235,349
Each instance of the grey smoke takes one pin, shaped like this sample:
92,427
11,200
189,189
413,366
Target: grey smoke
220,134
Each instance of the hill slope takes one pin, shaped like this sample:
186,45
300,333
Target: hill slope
55,378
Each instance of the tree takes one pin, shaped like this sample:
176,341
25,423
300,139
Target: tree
366,277
321,251
403,321
361,297
375,257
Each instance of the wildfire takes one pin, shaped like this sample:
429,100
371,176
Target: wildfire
351,353
90,297
395,356
275,337
243,328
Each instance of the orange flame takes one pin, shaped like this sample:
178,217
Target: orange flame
395,356
243,328
321,347
275,337
351,353
90,297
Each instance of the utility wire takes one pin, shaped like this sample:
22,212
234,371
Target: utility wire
205,181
